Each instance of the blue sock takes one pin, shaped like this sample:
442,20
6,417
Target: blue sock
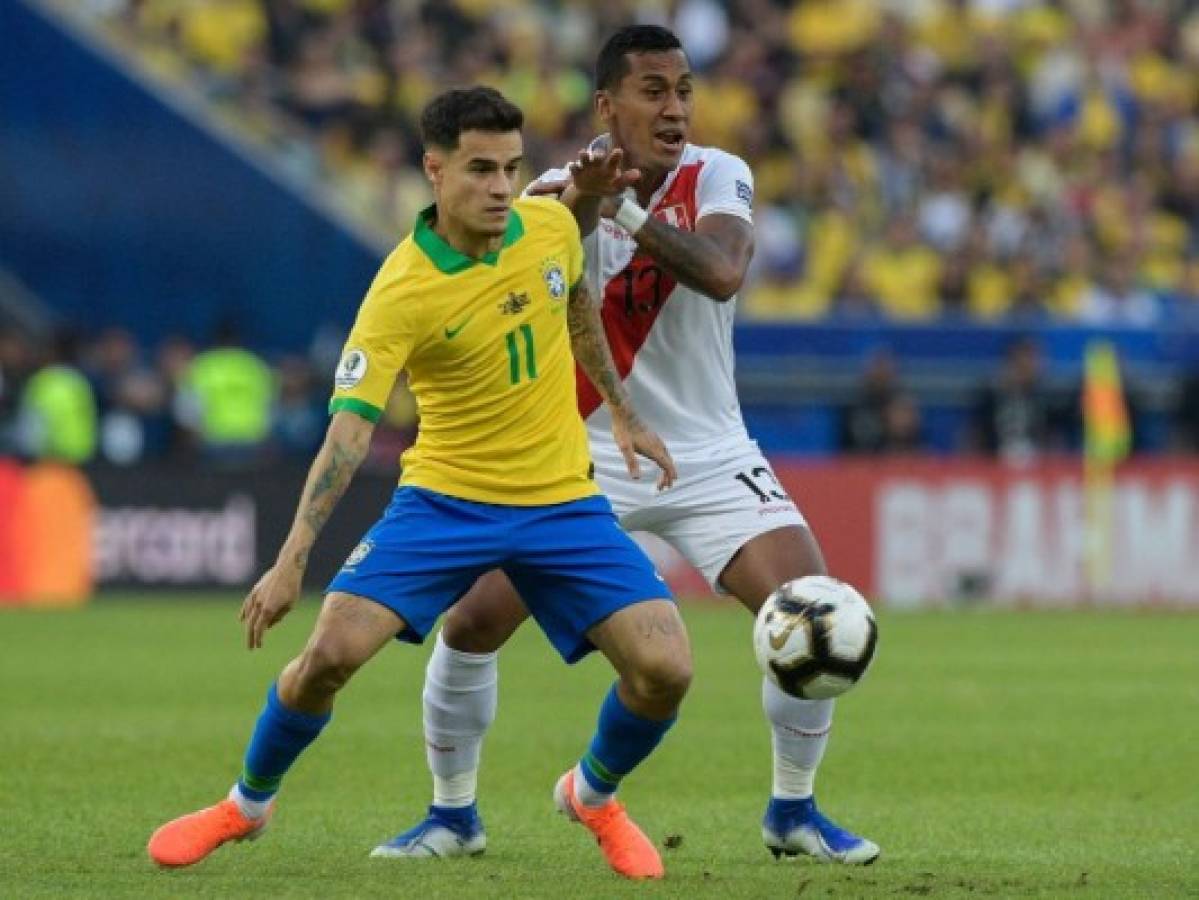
622,740
280,735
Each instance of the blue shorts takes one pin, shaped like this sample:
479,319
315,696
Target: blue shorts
571,562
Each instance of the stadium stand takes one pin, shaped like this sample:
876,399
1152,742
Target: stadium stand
1011,160
936,180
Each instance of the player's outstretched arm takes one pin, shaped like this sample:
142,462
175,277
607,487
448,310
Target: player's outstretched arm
591,351
597,178
712,259
272,598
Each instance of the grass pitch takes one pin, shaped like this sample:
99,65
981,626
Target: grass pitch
989,754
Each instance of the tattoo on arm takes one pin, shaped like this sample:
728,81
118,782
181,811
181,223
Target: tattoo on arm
329,484
711,262
328,479
590,347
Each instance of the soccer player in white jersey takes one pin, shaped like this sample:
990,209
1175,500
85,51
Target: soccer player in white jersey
668,261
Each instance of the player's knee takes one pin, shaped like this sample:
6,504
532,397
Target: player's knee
661,681
471,631
326,665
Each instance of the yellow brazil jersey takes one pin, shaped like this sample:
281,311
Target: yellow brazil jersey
488,357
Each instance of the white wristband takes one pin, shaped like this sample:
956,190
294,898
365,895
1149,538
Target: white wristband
630,216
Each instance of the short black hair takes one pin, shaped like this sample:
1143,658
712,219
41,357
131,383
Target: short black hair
467,109
612,64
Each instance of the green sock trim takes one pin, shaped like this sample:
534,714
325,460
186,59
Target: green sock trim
599,769
259,782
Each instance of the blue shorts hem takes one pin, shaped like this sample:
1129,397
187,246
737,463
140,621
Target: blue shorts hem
573,645
408,634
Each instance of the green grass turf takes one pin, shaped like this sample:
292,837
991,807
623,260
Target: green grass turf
990,754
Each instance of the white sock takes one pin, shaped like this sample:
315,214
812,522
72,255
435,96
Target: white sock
800,734
460,697
251,809
585,793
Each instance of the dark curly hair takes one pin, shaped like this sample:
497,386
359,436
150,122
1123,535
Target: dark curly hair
467,109
612,64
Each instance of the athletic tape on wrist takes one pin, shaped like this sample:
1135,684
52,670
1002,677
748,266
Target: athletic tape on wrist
630,216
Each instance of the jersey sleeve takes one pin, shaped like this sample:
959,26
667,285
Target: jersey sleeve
379,344
726,186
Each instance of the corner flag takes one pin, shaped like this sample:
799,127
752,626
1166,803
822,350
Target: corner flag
1105,416
1107,439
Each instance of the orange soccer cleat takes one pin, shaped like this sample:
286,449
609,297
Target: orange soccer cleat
188,839
628,851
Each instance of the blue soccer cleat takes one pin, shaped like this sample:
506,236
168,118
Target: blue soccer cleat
792,827
445,831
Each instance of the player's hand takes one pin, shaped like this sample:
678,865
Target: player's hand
602,144
271,599
601,173
548,187
634,439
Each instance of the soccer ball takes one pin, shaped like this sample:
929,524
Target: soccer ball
815,637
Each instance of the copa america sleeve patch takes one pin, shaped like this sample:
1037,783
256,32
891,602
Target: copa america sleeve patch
351,369
745,193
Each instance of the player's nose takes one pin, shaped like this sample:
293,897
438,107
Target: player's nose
674,110
500,187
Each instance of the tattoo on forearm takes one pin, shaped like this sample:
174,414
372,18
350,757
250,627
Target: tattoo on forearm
326,485
590,347
686,255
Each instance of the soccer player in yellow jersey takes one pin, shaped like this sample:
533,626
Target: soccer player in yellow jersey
486,308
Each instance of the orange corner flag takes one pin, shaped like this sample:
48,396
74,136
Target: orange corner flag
1108,436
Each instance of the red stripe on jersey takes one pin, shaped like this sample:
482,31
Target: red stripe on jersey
634,296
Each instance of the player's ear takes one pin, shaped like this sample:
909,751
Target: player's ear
603,105
433,165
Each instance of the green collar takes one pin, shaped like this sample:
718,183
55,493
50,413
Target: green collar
445,257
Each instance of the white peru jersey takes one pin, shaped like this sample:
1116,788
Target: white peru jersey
672,345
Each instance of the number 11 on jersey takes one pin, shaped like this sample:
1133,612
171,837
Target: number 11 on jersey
514,361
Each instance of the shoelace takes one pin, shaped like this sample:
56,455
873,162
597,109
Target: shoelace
605,814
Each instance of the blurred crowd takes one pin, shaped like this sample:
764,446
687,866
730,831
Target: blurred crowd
108,400
996,160
1018,413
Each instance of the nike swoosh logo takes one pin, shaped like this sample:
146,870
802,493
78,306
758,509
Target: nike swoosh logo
451,333
779,639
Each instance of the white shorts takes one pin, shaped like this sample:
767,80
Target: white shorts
712,511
